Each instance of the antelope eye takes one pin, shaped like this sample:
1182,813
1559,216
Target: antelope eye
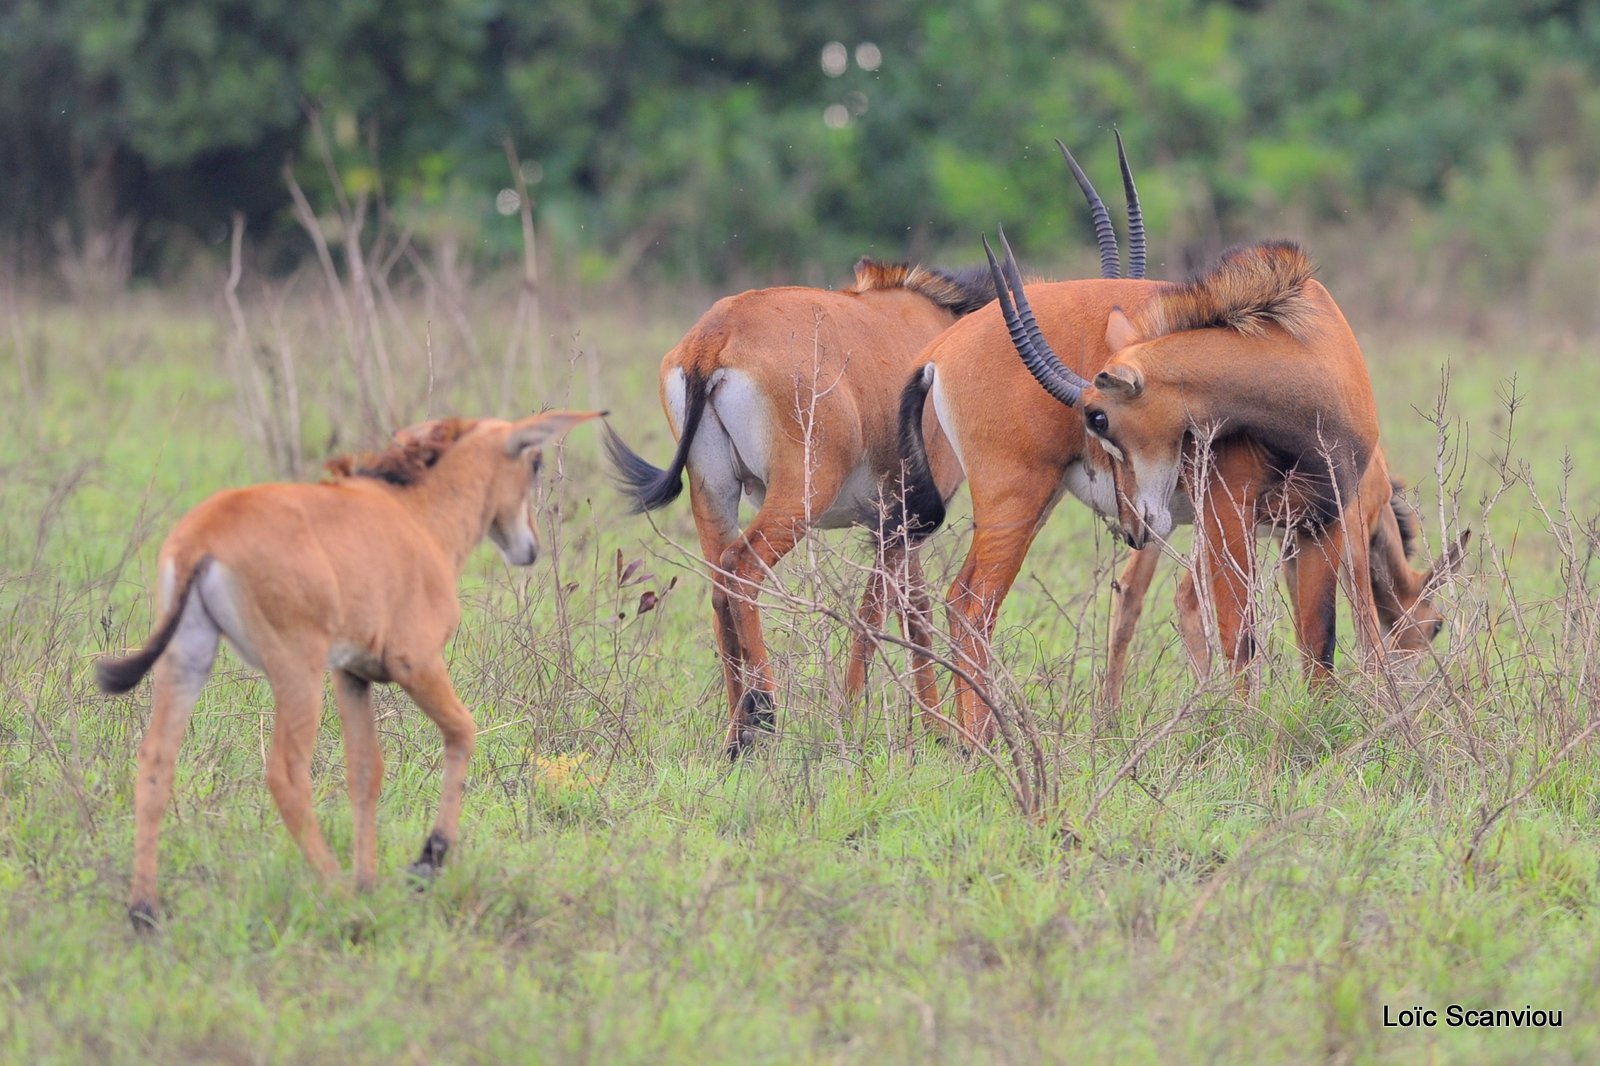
538,462
1098,422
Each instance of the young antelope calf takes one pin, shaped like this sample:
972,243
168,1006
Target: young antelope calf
356,575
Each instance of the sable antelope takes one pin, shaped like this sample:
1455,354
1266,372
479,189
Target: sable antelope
1021,451
1254,350
1403,595
356,575
787,397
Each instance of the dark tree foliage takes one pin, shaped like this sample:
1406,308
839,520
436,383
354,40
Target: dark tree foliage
720,137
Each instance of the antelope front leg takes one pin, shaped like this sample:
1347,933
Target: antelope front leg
1226,522
1127,603
1192,627
430,687
897,575
916,616
1357,575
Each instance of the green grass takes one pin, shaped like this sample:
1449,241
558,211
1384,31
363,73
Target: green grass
1258,887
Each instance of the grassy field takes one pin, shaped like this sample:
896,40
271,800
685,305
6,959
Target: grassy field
1213,881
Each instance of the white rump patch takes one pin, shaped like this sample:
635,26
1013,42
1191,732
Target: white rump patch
715,464
942,411
220,594
745,431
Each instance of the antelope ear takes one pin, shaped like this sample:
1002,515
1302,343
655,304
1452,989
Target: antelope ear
1450,561
536,430
1120,380
1119,331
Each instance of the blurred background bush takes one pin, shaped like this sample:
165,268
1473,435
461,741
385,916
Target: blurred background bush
1445,153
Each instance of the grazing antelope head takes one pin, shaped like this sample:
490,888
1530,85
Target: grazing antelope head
1174,375
1144,437
1411,621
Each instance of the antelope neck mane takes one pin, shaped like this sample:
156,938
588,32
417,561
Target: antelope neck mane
1248,289
1404,517
958,291
407,459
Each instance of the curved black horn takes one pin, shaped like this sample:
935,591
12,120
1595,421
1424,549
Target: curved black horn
1110,259
1135,216
1042,362
1024,311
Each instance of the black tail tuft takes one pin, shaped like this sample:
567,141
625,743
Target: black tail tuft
915,509
116,676
649,486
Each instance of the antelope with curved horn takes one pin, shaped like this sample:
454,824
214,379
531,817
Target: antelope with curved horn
787,398
1253,350
1022,449
357,576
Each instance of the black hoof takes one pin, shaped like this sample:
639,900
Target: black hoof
431,861
739,743
756,718
759,710
359,931
143,918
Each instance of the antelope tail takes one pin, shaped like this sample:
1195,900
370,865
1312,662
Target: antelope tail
648,486
915,509
118,675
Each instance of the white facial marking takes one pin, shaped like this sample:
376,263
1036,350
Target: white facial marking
1110,449
1157,482
518,546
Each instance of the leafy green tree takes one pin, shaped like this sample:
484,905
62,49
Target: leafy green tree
757,138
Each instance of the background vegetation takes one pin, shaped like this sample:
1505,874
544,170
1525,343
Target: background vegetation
759,139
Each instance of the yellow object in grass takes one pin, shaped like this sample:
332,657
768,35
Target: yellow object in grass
562,771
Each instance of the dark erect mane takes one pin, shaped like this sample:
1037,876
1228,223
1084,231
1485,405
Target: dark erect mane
959,291
407,458
1248,288
1405,517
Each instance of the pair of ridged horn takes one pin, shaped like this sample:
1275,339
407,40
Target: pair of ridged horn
1110,257
1041,360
